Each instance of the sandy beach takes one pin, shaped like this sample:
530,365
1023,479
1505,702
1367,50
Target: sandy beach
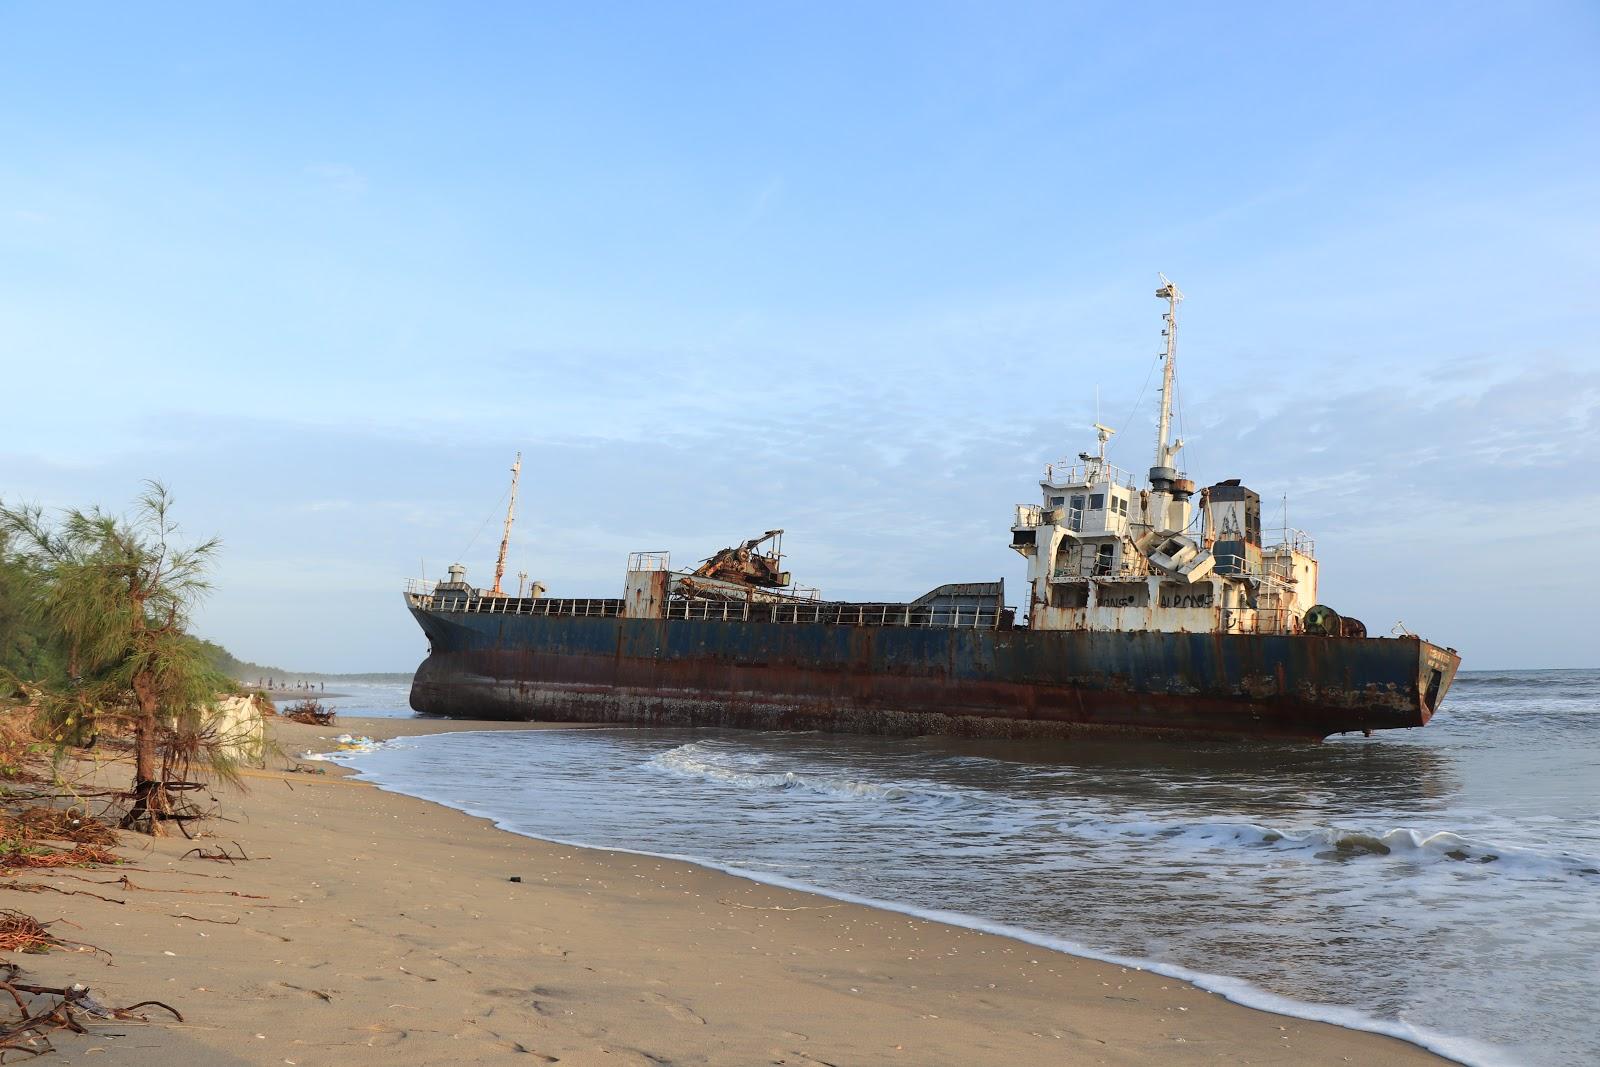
372,928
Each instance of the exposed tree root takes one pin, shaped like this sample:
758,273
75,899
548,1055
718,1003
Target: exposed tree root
220,854
20,932
23,855
40,887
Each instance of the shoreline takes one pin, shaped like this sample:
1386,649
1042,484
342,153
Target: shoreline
1238,992
382,928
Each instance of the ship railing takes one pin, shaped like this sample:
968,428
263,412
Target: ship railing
421,586
1067,472
1061,514
903,615
1268,574
709,610
1091,567
1232,563
509,605
1261,621
649,561
1295,540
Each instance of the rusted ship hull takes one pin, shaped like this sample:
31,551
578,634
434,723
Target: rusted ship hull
884,680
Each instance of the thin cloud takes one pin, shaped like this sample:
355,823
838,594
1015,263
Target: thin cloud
340,177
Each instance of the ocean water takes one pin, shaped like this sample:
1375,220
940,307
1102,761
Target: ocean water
387,700
1441,885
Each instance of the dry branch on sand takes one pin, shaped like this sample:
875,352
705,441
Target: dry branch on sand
17,854
219,853
20,932
23,933
51,1008
25,829
310,712
68,824
27,821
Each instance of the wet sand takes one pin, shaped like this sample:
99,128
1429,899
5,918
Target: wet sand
391,933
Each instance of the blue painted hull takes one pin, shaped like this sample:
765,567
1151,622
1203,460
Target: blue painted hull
875,679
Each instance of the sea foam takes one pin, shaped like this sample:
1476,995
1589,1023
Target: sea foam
694,763
695,760
1401,844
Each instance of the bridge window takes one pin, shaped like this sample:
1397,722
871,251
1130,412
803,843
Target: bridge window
1069,595
1097,501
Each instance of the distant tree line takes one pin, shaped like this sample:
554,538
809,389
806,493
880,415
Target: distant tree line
234,667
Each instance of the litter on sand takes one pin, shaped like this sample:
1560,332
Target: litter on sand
346,743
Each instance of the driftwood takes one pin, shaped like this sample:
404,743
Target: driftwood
310,712
30,1032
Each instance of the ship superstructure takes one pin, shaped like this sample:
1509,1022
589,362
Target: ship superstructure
1148,611
1105,553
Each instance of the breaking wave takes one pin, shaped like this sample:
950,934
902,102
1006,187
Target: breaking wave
1269,874
1336,843
705,762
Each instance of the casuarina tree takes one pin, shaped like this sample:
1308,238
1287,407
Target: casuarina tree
119,591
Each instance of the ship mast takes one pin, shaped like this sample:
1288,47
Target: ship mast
505,538
1163,470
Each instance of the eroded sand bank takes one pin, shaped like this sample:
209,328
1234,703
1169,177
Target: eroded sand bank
391,934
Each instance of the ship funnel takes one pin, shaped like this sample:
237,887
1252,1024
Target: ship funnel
458,574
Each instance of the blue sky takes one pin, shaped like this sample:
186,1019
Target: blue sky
858,271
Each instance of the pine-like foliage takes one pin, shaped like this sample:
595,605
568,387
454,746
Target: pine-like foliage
118,591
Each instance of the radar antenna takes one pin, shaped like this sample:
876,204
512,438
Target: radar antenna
505,538
1104,434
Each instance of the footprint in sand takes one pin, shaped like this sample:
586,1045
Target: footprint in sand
525,993
382,1036
790,1058
475,1028
680,1012
550,1011
537,999
616,1056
